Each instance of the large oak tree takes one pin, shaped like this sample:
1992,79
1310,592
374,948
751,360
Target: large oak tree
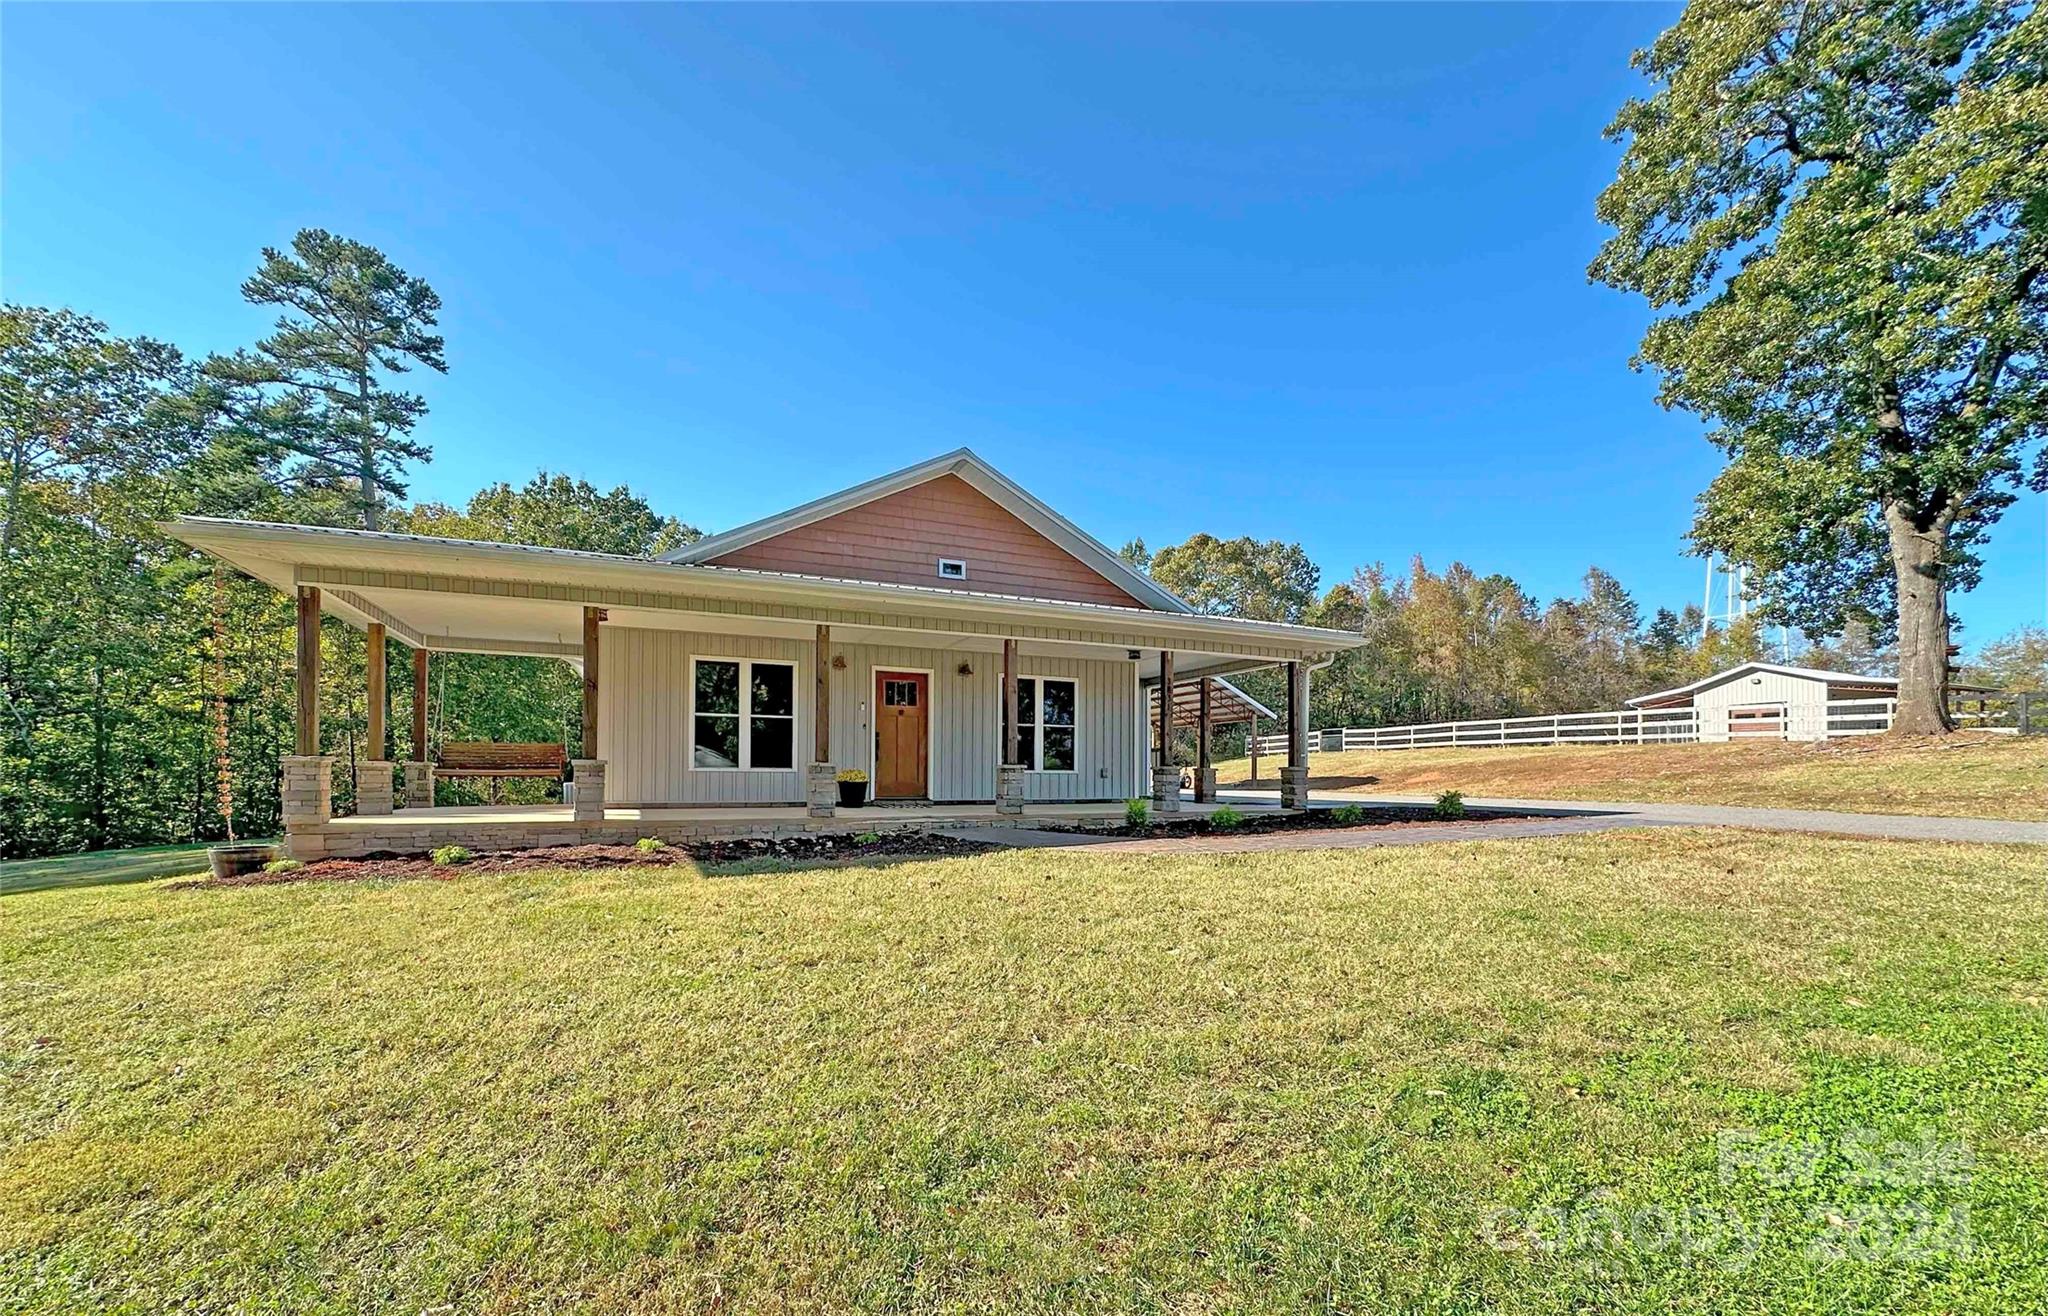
1842,211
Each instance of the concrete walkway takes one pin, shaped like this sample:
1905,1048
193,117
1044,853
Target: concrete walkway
1895,826
1566,818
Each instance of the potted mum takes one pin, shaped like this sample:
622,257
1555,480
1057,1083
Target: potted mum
853,788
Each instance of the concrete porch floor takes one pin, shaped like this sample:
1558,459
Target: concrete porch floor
529,826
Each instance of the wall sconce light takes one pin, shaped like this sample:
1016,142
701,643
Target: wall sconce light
838,662
966,669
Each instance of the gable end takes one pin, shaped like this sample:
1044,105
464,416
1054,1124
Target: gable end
900,539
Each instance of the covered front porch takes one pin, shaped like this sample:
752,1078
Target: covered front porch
734,702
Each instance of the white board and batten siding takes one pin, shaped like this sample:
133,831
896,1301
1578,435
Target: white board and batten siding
644,712
643,719
1804,699
966,721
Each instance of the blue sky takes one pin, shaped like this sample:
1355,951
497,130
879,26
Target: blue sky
1305,273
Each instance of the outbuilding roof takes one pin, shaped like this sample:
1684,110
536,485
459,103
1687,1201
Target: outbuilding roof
1227,704
1779,669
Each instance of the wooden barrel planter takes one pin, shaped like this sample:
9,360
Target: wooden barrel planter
235,860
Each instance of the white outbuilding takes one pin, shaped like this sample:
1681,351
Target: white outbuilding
1771,701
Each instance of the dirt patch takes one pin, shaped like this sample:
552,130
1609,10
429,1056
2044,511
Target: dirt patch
826,847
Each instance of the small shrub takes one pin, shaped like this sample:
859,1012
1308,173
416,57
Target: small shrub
1450,804
1348,815
450,855
1226,818
852,774
1137,813
867,838
650,845
283,866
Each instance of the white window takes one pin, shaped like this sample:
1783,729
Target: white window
952,568
1045,722
742,713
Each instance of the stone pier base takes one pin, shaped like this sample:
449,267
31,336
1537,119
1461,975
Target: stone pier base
419,784
821,790
1010,788
1294,788
589,778
373,787
1165,788
1205,785
308,803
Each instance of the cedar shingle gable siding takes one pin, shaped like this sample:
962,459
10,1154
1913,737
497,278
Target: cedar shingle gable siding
898,539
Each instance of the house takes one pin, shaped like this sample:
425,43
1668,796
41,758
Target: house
971,650
1771,701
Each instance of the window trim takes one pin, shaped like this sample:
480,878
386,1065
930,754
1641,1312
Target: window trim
745,716
959,562
1035,741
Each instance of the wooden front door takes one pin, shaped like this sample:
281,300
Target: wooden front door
902,747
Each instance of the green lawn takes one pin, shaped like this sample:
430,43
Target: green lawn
100,868
1037,1081
1962,776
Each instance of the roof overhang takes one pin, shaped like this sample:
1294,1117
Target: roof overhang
477,596
966,465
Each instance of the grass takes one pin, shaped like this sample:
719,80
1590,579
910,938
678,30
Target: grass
1028,1081
1968,776
100,868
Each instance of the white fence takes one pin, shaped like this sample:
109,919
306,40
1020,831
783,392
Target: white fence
1629,726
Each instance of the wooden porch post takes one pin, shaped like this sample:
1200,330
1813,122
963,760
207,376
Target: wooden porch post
1165,783
1010,772
308,674
821,710
307,798
373,669
1297,734
1294,777
1013,746
591,618
590,768
1205,769
419,705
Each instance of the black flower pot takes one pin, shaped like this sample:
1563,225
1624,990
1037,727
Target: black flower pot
853,794
235,860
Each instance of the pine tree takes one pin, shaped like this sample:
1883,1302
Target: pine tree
315,389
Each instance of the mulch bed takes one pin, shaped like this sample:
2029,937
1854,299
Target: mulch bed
831,847
1165,826
826,847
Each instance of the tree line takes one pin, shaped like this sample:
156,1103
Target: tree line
1455,644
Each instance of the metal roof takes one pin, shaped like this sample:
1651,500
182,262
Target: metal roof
1780,669
243,542
1227,704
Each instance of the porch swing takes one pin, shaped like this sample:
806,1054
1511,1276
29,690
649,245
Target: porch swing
496,760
